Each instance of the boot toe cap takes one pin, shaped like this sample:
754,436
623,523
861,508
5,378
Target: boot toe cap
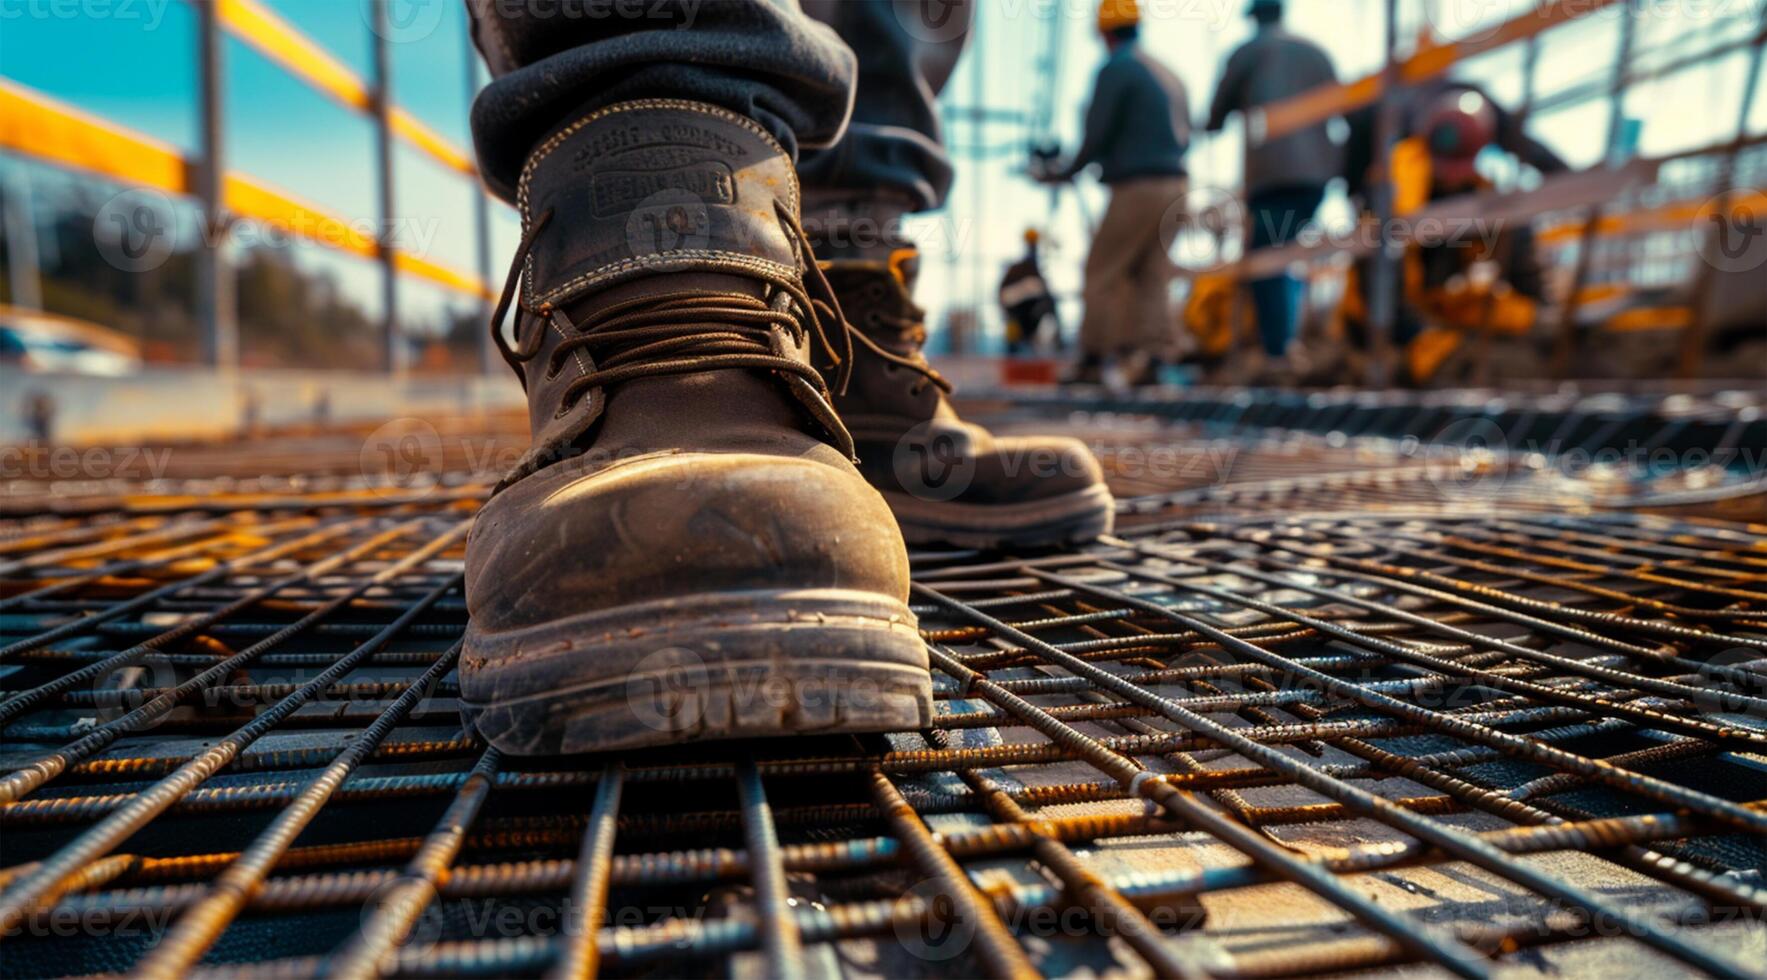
565,541
1027,468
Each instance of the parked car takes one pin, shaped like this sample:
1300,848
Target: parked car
38,342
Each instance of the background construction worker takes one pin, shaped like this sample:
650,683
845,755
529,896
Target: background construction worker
1443,127
1027,302
1285,177
1137,129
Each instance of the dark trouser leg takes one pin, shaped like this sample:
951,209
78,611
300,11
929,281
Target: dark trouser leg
558,59
1276,217
892,159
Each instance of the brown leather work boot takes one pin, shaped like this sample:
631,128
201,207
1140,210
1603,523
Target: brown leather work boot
947,480
687,551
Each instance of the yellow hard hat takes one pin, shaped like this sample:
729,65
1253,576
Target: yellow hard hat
1113,14
1031,236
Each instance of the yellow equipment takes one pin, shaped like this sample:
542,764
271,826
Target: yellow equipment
1474,306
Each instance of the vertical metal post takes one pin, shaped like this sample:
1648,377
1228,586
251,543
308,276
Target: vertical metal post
1693,342
1481,376
489,359
1383,291
393,358
22,272
1565,351
978,139
1530,79
217,311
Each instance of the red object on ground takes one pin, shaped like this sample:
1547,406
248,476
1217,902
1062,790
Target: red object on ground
1017,371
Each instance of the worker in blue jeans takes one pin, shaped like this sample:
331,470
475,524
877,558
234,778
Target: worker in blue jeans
731,440
1285,177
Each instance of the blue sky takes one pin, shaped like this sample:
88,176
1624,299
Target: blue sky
132,61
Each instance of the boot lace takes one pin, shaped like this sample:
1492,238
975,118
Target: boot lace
910,329
690,330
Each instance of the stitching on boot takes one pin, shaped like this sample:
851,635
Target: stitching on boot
576,355
626,267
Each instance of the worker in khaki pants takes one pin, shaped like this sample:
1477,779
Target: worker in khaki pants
1137,129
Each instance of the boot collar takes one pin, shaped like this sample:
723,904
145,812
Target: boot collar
626,214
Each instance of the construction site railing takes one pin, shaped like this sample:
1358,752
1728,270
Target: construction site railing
37,126
1576,210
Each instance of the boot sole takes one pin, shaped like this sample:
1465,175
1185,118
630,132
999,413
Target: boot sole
699,668
1072,518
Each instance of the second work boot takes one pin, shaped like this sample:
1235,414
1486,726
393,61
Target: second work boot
949,481
686,552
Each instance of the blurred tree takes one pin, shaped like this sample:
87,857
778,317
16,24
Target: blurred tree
289,316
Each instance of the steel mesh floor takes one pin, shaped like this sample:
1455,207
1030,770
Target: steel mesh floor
1334,708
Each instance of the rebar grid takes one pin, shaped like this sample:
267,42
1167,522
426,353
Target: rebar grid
1216,744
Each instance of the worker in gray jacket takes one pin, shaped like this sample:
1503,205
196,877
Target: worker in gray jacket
1137,129
1285,177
